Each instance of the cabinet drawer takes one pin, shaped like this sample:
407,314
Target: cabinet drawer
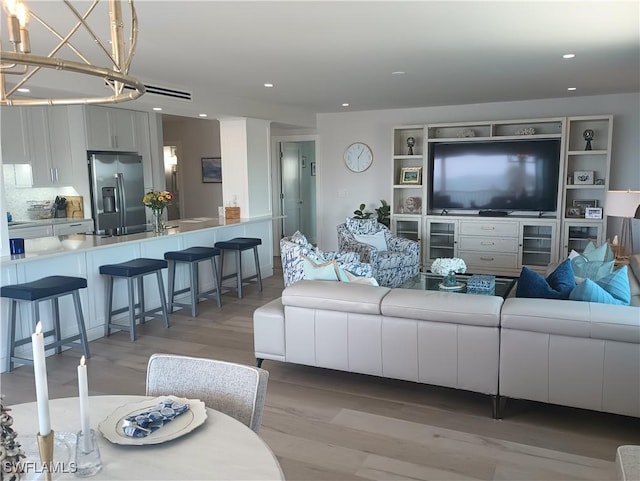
73,228
488,260
489,228
489,244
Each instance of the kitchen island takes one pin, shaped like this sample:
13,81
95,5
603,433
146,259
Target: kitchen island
81,255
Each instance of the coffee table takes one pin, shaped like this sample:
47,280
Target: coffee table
431,282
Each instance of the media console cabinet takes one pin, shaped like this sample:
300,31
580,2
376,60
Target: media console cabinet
502,244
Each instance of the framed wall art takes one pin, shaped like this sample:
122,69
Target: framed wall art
211,169
411,175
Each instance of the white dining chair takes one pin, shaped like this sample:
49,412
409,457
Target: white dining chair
233,389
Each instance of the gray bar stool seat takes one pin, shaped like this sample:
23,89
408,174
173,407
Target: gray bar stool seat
238,245
193,256
134,270
48,288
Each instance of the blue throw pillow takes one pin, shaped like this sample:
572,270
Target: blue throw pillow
583,267
611,289
558,285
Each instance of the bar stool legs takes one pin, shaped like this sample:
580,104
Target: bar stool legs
134,271
46,289
192,257
238,245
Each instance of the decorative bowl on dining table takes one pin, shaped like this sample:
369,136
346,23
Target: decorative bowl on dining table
153,421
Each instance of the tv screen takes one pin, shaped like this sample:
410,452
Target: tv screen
517,175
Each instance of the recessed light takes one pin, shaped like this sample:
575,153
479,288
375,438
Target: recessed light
157,109
571,89
569,55
24,90
202,115
345,104
398,72
268,85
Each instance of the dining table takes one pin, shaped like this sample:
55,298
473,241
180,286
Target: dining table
221,448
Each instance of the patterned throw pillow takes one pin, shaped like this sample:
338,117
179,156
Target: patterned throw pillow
298,238
602,253
362,226
611,289
319,272
376,240
594,262
557,285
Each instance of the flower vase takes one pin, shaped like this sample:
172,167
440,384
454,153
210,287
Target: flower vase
450,280
157,222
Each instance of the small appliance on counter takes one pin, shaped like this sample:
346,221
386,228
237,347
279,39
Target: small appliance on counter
38,209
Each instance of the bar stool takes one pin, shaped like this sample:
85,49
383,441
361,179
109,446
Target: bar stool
48,288
237,245
134,270
192,256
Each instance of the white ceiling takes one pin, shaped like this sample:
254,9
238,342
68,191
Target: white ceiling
323,53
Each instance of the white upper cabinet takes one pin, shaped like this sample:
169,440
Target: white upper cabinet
38,136
111,129
15,138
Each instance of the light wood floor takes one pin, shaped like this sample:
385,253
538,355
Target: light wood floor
331,425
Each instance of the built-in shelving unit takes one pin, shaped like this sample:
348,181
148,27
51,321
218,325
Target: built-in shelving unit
503,245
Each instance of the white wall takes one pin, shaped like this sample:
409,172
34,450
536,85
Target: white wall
198,138
340,191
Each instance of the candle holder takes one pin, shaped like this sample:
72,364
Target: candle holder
45,448
88,462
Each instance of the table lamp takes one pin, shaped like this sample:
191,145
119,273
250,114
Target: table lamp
625,204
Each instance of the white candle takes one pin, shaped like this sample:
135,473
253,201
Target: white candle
40,374
83,394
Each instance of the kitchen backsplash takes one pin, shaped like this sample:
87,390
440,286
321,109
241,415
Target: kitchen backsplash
17,197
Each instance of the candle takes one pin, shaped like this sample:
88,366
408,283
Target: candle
83,394
40,374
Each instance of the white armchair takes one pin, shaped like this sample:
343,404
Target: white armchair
394,261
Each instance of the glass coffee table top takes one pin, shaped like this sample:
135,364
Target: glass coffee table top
431,282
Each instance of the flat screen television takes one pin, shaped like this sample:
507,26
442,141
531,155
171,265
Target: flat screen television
500,176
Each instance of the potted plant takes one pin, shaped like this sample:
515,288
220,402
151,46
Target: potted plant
384,213
360,213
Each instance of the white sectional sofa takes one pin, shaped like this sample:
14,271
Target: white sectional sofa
571,353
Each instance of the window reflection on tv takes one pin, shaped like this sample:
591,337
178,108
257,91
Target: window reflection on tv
495,175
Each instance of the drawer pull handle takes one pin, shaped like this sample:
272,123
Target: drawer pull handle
488,227
486,258
487,243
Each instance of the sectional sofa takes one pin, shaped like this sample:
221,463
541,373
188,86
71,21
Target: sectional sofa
572,353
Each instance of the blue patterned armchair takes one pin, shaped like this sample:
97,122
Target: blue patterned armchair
292,250
394,259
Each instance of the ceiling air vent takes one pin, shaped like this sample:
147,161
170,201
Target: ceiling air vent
165,92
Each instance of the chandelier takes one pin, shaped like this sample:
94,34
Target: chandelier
18,66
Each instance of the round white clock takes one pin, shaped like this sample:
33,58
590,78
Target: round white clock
358,157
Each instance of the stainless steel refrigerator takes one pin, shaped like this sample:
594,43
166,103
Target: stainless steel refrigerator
117,188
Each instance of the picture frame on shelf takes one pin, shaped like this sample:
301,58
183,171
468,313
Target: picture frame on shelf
593,213
584,203
211,170
411,175
583,177
573,212
412,205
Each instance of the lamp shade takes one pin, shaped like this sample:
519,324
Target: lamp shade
622,203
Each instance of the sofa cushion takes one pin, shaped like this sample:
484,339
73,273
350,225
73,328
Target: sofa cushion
611,289
557,285
443,307
335,296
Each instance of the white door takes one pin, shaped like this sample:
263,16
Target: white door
290,164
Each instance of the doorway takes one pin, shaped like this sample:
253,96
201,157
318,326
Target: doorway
298,188
172,181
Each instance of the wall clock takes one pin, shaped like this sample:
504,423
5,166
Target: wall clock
358,157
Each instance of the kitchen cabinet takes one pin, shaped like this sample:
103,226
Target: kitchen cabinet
79,227
32,232
15,138
111,129
39,136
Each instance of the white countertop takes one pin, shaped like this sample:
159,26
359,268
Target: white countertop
20,224
56,245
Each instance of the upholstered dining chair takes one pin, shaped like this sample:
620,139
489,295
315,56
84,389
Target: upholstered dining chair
233,389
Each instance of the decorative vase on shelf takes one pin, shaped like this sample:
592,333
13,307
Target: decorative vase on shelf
157,222
450,280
